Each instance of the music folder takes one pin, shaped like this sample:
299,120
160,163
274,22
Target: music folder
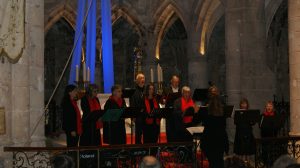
112,115
246,116
162,113
131,112
94,116
128,92
228,110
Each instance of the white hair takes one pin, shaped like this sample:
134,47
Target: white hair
185,88
140,75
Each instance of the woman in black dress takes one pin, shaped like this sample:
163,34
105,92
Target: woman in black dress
214,140
91,127
244,143
151,127
71,116
114,132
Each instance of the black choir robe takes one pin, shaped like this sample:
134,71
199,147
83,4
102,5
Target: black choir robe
90,135
114,132
180,133
69,122
151,131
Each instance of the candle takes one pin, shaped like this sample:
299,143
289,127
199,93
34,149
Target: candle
84,72
158,73
77,74
151,75
161,75
88,74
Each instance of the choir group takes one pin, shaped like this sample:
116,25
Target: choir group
85,130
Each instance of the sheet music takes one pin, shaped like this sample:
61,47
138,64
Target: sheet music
194,130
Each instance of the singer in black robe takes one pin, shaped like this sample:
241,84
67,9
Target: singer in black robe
180,120
151,129
269,127
71,116
114,132
244,142
91,135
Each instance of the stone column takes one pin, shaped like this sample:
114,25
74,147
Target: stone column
247,74
36,69
294,61
148,43
197,63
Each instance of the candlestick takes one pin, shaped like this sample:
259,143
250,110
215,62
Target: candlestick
151,75
77,73
84,72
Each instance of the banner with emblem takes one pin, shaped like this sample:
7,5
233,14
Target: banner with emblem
12,29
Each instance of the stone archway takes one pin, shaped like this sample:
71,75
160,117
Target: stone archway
62,11
277,50
163,17
58,45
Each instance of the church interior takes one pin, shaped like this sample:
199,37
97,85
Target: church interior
231,66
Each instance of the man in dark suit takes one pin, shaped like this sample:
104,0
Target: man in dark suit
137,101
170,94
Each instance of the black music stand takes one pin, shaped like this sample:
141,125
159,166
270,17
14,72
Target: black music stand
128,92
131,112
228,110
162,113
200,95
111,115
94,116
246,116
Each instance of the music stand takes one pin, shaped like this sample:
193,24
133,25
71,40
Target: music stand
200,95
111,115
128,92
162,112
131,112
228,111
246,116
171,97
94,116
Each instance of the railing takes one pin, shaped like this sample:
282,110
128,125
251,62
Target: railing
269,149
108,156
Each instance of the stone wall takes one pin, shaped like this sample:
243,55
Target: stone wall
22,84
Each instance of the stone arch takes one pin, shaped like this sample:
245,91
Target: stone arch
122,12
209,14
271,9
162,18
62,11
133,21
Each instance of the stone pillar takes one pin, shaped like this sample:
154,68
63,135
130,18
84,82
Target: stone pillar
232,59
294,61
149,61
23,83
197,63
35,36
247,74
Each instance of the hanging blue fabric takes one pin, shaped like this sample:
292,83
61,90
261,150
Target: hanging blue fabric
107,56
91,40
76,58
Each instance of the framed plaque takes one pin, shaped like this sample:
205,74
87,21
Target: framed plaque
2,120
